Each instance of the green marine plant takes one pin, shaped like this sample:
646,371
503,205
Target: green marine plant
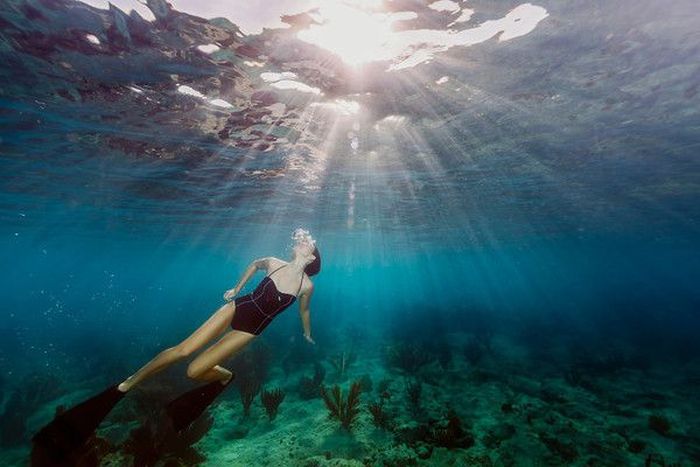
272,400
345,410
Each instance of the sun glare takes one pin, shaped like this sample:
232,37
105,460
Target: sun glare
357,31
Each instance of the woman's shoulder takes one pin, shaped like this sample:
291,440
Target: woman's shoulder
273,263
268,262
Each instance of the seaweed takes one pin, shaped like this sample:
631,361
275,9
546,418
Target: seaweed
452,435
309,387
341,362
248,388
380,416
345,410
152,442
409,358
271,400
414,389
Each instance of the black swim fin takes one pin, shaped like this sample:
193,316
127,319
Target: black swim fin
186,408
58,441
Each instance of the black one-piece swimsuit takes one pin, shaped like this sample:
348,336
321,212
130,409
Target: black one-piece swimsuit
256,310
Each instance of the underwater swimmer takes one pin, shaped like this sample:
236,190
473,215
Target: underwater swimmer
248,316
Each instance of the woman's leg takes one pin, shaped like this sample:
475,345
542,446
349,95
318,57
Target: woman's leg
215,325
206,366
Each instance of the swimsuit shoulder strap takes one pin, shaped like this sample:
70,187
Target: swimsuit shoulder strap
276,270
300,283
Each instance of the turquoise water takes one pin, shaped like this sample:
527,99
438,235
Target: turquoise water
518,240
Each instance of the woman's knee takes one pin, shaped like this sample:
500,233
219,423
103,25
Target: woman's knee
194,372
180,351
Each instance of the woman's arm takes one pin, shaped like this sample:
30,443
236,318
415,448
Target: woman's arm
260,263
304,313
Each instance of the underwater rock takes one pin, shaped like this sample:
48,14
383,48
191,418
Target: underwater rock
33,391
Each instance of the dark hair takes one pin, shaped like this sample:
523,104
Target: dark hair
314,267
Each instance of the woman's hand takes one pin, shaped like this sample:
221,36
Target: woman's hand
309,339
230,293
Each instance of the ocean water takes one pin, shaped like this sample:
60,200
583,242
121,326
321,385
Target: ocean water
505,197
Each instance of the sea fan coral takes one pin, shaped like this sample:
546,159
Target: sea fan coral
271,400
345,410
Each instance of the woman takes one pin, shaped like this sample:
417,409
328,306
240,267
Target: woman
59,442
247,315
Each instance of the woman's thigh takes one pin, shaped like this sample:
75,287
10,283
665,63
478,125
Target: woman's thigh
228,345
217,323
